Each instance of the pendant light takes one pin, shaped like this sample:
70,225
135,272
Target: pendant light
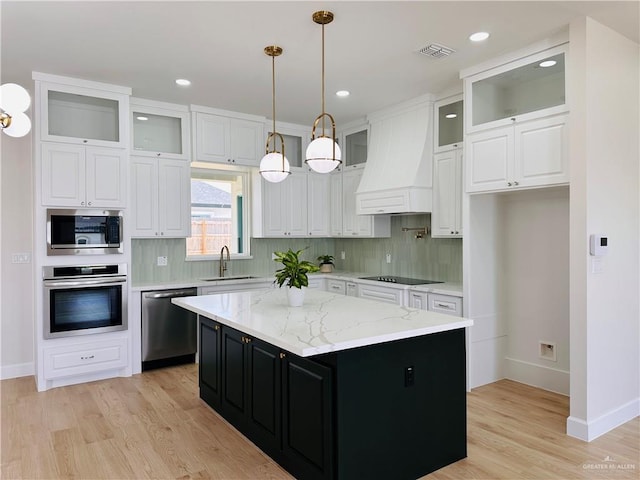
14,101
323,153
274,166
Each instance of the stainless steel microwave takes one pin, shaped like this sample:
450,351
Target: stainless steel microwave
84,232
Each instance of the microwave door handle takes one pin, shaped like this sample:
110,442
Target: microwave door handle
82,283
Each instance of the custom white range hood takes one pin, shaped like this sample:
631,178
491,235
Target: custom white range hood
397,176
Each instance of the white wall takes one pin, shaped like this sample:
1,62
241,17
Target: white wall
534,287
604,83
17,284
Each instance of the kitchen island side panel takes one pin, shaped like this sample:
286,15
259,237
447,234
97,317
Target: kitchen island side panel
401,407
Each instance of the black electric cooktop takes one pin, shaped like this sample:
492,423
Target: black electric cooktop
400,280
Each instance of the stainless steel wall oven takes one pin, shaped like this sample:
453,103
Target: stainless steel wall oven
84,299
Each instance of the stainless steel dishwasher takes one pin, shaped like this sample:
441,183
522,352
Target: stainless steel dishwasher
169,333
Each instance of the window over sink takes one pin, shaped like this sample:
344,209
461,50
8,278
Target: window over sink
219,212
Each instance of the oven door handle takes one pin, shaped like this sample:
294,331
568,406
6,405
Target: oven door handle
83,283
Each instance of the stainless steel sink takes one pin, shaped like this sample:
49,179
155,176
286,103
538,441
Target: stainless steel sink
222,279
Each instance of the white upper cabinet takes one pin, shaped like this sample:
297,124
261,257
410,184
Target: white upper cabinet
159,129
229,138
517,124
87,113
296,139
160,198
446,218
84,177
517,91
354,146
318,209
354,225
448,124
284,207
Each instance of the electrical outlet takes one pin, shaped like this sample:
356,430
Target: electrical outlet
162,261
21,258
409,376
342,256
388,258
547,350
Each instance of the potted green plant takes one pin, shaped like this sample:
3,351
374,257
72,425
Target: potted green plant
326,263
294,273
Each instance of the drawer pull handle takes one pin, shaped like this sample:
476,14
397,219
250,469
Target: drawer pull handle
443,305
87,358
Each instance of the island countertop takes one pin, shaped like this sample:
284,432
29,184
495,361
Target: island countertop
327,322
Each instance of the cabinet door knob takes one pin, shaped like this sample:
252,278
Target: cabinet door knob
513,119
89,203
84,141
216,327
82,203
451,233
508,184
515,183
158,154
282,355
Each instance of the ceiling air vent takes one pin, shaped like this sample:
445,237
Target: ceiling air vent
434,50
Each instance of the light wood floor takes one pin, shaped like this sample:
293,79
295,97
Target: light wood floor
154,426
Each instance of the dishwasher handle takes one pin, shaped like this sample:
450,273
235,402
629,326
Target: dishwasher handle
171,294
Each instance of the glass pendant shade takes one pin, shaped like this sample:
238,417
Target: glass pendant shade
14,98
274,167
320,157
19,126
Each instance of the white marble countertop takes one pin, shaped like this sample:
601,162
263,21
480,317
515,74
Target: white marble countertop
445,288
327,322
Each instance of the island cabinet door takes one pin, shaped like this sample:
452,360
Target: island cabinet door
233,404
264,407
209,352
307,418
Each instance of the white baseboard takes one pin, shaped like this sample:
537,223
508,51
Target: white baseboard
486,361
587,431
547,378
17,370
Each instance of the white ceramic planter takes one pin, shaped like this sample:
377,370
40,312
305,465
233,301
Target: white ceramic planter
295,296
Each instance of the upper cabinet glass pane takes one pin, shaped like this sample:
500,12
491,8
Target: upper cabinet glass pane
157,133
356,148
292,148
450,118
525,89
82,116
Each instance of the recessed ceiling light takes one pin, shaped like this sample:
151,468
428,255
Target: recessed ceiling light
141,118
478,36
450,115
183,82
547,63
342,93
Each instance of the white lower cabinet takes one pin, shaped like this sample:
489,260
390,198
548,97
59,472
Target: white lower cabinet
160,198
418,299
317,283
526,154
382,294
83,358
446,218
236,287
436,302
83,177
336,286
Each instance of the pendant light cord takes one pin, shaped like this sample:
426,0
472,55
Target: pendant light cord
323,115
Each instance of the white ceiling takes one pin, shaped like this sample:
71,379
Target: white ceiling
370,47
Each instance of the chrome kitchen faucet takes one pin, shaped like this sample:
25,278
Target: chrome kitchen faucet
223,263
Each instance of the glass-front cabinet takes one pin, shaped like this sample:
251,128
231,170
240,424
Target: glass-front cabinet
528,88
354,149
75,114
159,129
448,125
296,139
